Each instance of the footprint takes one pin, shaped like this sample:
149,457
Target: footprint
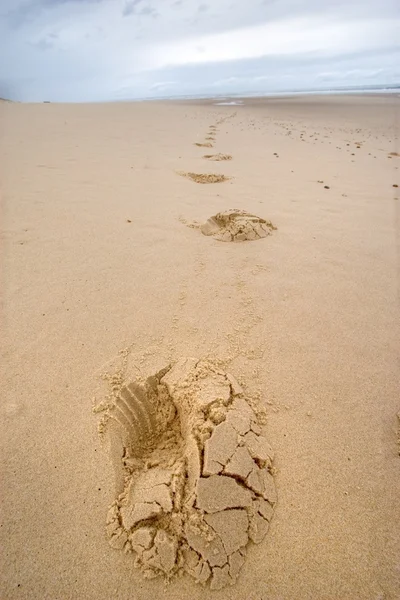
236,225
204,144
196,471
191,224
204,177
218,156
223,119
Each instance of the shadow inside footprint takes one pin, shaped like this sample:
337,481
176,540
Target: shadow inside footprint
218,157
137,423
195,472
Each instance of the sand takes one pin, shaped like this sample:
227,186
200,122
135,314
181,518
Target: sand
107,292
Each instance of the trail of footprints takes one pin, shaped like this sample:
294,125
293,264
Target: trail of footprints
196,473
209,143
233,225
193,470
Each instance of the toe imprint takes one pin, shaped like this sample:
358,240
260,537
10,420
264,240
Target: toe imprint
196,474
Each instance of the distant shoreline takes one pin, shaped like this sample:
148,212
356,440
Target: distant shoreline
387,90
233,97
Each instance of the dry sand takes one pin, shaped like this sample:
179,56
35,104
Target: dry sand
104,285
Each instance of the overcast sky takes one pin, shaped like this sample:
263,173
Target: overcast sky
85,50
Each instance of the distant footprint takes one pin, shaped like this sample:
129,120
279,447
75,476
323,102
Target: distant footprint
204,144
204,177
236,225
218,156
223,119
197,474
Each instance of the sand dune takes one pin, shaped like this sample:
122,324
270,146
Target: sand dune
106,291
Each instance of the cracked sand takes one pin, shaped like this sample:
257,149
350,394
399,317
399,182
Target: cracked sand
195,471
237,225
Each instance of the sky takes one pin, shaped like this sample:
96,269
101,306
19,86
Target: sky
99,50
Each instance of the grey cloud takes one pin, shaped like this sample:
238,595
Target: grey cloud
133,8
19,14
130,7
86,63
25,13
43,44
278,74
148,10
7,90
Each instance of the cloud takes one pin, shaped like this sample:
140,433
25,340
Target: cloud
43,44
286,37
21,12
130,7
148,10
110,49
162,86
133,8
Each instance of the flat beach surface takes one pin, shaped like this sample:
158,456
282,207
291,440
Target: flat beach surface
97,257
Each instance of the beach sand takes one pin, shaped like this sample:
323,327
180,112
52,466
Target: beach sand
105,270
